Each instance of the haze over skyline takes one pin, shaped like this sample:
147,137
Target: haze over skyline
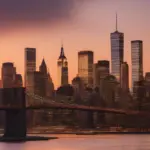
82,24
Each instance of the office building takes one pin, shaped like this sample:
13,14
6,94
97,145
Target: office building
62,66
137,61
100,71
85,67
124,80
117,52
30,64
8,75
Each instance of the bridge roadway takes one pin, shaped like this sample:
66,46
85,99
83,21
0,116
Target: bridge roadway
57,105
45,103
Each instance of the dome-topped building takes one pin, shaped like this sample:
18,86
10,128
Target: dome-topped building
110,78
76,79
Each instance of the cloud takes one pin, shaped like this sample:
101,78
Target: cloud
31,11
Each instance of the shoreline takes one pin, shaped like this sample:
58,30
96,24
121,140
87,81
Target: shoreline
89,133
25,139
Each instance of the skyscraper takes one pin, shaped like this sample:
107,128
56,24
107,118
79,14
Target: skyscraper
100,71
85,67
124,80
8,75
117,52
62,66
30,64
137,61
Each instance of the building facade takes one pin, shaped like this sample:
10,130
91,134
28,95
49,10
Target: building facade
30,64
100,71
137,61
117,52
85,67
124,80
62,66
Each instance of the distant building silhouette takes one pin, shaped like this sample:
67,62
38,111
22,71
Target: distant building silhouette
100,71
78,86
137,61
147,76
109,93
1,84
62,66
18,81
124,80
109,90
8,75
147,84
49,86
43,67
117,52
139,92
85,67
66,90
39,84
48,83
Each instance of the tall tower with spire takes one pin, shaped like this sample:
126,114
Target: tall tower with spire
62,65
48,86
117,51
43,67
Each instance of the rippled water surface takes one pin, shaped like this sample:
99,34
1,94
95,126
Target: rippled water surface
73,142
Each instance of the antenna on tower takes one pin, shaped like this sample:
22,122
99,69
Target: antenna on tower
61,42
116,22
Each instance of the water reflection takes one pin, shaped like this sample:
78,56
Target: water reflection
97,142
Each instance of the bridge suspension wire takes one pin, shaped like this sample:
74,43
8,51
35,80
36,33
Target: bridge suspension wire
50,103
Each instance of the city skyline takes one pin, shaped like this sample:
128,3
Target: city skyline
79,33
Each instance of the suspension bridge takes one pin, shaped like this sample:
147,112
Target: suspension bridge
39,102
13,102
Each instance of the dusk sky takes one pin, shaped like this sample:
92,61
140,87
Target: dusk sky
82,24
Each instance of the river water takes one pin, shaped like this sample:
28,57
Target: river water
95,142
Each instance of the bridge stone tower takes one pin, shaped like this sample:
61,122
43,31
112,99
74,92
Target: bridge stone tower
15,119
